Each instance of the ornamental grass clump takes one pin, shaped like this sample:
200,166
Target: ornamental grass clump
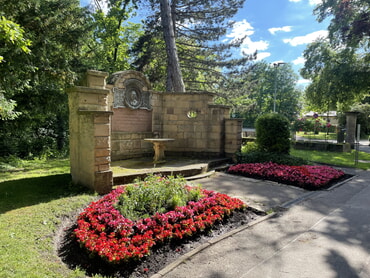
155,194
104,231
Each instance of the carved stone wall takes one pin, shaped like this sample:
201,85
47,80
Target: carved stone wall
130,101
110,122
199,127
90,127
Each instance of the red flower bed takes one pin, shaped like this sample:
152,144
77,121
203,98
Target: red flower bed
310,177
102,230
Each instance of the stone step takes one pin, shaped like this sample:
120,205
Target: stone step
190,171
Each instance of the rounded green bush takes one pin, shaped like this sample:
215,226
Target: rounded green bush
273,133
249,147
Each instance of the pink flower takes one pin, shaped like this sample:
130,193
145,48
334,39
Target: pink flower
303,176
102,230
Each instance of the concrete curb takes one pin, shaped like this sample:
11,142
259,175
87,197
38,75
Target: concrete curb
213,241
207,244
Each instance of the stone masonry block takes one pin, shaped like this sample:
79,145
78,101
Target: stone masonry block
86,98
102,142
102,130
214,136
200,144
173,117
103,182
232,129
103,100
102,160
170,128
103,167
102,152
96,79
185,128
121,135
101,119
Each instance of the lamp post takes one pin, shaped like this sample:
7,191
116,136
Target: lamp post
276,65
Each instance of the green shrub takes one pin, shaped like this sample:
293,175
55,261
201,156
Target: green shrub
155,194
249,147
260,157
273,133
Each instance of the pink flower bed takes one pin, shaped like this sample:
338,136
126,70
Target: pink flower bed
102,230
306,176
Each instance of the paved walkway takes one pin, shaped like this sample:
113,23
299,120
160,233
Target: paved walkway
313,234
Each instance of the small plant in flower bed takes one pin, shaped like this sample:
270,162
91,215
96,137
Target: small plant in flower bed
103,230
305,176
155,194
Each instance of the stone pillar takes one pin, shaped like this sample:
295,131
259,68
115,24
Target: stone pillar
90,131
233,136
351,118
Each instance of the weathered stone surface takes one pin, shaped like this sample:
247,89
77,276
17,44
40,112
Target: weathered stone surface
90,134
97,137
103,182
102,130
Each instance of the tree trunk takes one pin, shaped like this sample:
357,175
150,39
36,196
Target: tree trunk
174,82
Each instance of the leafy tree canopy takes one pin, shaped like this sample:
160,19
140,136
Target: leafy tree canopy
339,76
350,21
112,35
12,40
251,94
36,80
339,66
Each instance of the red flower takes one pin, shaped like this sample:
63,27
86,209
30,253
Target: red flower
302,176
102,230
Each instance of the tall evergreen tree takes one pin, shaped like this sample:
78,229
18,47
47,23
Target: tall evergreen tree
198,28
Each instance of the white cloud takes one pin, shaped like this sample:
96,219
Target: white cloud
280,29
307,38
262,55
299,61
315,2
250,46
242,29
311,2
303,82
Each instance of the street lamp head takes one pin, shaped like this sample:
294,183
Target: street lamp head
276,64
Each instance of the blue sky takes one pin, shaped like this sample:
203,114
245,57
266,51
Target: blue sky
279,30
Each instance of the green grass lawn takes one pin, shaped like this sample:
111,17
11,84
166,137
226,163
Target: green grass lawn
35,197
33,203
334,158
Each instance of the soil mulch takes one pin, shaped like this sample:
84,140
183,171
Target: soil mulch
74,256
307,187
